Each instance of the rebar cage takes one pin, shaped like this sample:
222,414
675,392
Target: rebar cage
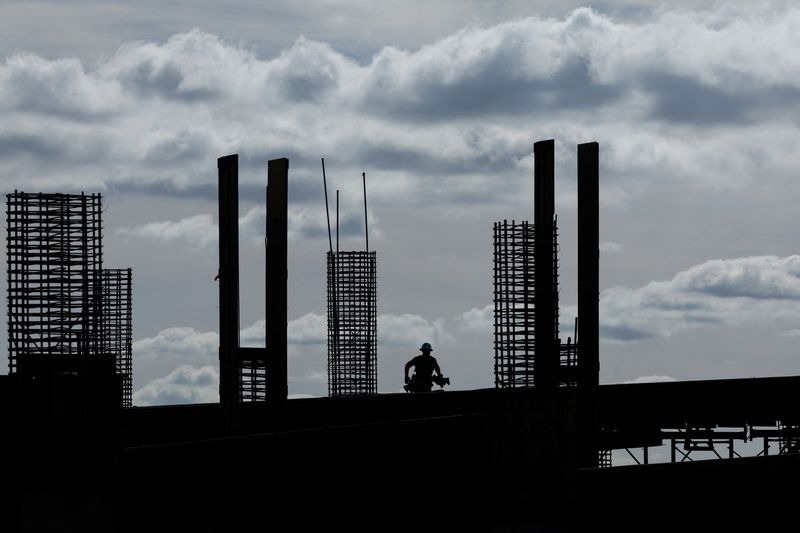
352,323
252,378
117,329
514,302
54,259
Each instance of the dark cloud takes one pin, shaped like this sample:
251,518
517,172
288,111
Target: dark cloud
469,104
167,188
422,160
683,99
166,81
493,89
16,144
624,333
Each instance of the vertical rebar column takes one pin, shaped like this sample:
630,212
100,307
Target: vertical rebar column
117,330
352,336
545,310
588,300
228,183
54,258
514,304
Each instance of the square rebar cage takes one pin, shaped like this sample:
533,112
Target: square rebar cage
352,323
117,330
54,259
514,302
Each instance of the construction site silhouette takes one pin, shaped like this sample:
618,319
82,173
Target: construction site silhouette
534,453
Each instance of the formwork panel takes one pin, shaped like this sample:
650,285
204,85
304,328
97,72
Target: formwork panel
352,323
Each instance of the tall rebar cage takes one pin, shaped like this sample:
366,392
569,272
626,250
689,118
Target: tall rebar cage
514,302
352,323
54,259
117,325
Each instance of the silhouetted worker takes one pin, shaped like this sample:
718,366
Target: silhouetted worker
424,367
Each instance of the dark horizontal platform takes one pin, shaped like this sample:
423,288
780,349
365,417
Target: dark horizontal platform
633,414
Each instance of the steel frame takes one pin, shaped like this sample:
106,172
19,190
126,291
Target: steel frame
684,441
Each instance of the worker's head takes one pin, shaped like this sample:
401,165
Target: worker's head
426,347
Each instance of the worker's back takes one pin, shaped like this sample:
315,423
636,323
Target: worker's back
424,365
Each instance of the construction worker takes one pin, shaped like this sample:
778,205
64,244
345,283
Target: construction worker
424,366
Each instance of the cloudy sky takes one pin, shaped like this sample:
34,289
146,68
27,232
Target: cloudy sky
695,107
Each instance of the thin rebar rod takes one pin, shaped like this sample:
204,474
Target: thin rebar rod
337,221
327,212
330,247
366,213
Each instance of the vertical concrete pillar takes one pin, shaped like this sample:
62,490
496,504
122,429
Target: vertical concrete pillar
588,300
546,357
228,168
276,283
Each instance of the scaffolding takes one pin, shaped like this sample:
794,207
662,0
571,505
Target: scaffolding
54,260
514,302
117,329
352,323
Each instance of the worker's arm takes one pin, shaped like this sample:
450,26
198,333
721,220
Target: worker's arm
405,371
437,369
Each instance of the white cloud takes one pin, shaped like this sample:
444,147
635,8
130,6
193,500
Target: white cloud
408,329
185,384
62,87
191,356
478,319
610,247
253,335
184,341
745,290
198,232
402,330
651,379
253,226
181,341
310,328
758,277
201,233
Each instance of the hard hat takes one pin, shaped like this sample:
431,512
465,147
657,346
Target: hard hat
426,346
